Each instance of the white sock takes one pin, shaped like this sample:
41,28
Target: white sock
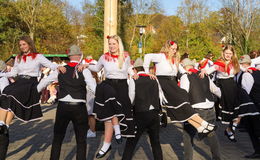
117,131
234,126
104,147
231,133
202,129
2,123
7,126
207,125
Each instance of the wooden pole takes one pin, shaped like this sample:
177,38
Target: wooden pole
110,20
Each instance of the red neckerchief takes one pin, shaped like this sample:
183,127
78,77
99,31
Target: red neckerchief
203,63
33,55
253,68
168,57
193,70
88,60
222,65
110,57
72,64
144,75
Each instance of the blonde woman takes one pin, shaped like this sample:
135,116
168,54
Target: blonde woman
178,105
112,104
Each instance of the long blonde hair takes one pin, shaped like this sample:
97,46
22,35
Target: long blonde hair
166,50
121,57
234,59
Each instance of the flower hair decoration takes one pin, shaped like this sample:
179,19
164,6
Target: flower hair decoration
172,42
108,37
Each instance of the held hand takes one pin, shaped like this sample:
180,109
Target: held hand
81,67
202,73
61,69
153,77
135,76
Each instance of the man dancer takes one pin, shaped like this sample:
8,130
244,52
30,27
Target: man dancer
71,103
201,99
251,83
144,95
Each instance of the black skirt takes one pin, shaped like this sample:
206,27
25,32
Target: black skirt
112,100
22,99
178,106
229,100
246,106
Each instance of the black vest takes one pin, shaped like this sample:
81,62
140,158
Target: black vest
255,91
146,94
72,86
199,89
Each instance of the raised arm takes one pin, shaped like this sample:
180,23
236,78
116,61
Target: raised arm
97,67
45,62
90,81
12,73
150,57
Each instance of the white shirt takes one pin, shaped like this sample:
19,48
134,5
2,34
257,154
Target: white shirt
3,83
219,74
247,82
185,84
163,66
90,82
256,62
31,67
111,68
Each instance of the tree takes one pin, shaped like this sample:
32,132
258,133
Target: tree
240,18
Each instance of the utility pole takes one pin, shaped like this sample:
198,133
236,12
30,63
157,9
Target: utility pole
110,20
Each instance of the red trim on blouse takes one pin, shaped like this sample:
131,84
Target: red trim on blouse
72,64
33,55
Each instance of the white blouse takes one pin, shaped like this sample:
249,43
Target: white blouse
31,67
163,67
111,68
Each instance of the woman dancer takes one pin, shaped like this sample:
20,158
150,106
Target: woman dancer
178,106
112,104
226,68
21,98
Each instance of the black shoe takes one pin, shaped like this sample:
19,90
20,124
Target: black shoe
3,130
229,136
120,140
253,156
98,155
202,135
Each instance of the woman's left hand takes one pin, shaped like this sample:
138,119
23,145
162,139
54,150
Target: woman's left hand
61,69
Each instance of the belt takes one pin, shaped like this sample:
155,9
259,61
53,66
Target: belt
204,108
72,103
25,77
115,80
168,77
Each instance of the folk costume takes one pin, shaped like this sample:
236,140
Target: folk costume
234,102
201,99
71,105
178,105
22,97
250,82
144,96
111,97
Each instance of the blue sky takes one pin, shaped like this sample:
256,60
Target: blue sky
169,6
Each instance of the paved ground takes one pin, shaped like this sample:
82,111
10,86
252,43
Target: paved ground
29,141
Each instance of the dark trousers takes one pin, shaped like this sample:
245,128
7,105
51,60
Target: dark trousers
4,142
189,133
78,115
145,121
252,125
